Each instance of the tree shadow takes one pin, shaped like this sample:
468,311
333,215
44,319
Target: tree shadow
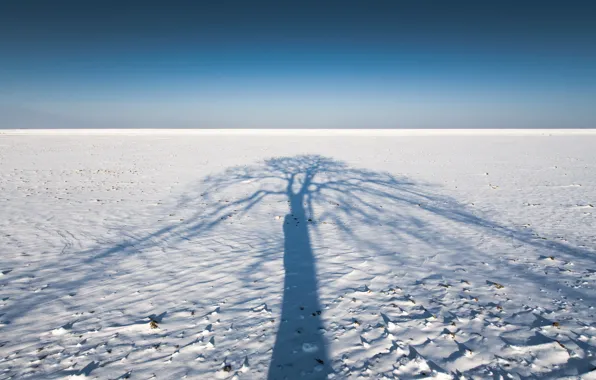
359,198
304,182
361,205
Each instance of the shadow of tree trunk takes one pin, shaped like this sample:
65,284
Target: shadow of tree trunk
299,344
357,205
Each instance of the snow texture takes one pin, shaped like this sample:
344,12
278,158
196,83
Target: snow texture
298,256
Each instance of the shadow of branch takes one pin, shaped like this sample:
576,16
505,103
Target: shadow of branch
319,192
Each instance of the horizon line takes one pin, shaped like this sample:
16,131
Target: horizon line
302,131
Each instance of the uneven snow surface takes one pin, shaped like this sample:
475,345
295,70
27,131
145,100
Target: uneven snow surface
297,257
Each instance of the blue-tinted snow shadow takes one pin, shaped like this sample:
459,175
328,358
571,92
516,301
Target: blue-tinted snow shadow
305,182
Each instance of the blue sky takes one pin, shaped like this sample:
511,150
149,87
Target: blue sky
349,64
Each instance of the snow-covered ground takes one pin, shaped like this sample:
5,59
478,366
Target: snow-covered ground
301,255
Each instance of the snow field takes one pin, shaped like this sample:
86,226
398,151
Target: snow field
299,256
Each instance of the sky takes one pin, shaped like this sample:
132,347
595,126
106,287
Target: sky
297,64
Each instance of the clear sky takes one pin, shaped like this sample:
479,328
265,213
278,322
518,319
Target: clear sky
298,64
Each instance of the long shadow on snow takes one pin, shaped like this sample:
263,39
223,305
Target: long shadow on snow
305,182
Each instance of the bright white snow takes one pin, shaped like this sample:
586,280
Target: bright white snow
301,256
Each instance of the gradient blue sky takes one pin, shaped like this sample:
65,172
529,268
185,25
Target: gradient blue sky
327,64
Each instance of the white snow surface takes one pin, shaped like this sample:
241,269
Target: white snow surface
298,256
